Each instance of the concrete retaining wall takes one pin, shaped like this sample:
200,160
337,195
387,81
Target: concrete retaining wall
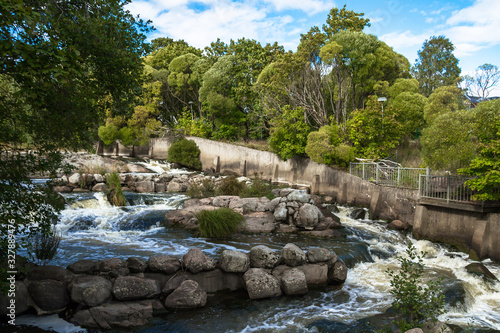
472,230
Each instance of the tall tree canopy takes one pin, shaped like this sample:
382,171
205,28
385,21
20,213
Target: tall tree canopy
436,65
63,64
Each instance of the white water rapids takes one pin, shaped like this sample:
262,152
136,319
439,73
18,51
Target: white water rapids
93,229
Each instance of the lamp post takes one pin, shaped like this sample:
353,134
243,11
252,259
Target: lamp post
382,100
191,107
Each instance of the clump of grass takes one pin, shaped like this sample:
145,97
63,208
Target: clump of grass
93,169
45,246
231,186
218,223
115,194
258,188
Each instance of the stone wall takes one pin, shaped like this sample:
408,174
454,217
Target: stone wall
123,293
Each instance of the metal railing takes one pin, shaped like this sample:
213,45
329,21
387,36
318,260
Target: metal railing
382,174
449,188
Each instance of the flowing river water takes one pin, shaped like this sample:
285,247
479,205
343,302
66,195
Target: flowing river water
93,229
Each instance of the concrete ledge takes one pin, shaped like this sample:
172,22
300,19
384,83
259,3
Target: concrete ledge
480,207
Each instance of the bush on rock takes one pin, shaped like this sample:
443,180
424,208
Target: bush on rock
186,153
218,223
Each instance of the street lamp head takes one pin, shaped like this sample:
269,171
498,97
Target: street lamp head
382,99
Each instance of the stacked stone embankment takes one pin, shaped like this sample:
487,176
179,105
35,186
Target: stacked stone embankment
124,293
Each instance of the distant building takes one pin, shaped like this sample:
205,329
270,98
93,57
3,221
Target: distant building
473,101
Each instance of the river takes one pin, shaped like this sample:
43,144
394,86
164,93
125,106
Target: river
93,229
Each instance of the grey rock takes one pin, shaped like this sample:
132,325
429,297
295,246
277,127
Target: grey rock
145,186
115,314
136,265
261,284
281,212
234,261
224,200
196,261
173,283
308,216
51,272
100,187
49,295
177,187
337,274
316,274
164,263
263,257
132,288
293,282
299,195
317,254
293,255
188,295
358,213
21,299
258,222
75,178
90,290
244,205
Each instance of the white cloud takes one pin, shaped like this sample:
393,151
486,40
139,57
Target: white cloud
200,22
406,39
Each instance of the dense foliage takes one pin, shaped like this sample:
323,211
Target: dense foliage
185,152
63,66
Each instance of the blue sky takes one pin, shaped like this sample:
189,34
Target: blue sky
473,26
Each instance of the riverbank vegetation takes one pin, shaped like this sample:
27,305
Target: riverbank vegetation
218,223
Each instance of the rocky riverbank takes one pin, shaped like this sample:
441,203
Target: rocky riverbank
126,293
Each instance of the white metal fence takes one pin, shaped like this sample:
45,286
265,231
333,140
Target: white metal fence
383,174
449,188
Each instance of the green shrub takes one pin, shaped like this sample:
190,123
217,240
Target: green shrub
259,188
115,194
231,186
344,154
218,223
186,153
415,302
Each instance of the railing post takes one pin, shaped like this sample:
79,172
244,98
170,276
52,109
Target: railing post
448,190
363,173
399,176
377,176
420,186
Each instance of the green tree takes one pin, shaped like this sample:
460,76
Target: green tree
289,133
409,108
66,64
436,65
373,132
186,153
485,168
449,143
402,85
442,100
342,20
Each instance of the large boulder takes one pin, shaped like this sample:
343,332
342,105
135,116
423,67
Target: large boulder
164,264
293,255
90,290
188,295
316,274
293,282
175,186
136,265
51,272
261,284
263,257
182,217
234,261
244,205
85,266
74,179
281,212
308,216
145,186
50,296
337,273
114,267
224,200
318,254
300,196
21,299
128,288
115,314
258,222
196,261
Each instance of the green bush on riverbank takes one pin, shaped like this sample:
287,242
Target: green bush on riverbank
218,223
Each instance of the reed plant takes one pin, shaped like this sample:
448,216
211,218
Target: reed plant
218,223
115,193
45,246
